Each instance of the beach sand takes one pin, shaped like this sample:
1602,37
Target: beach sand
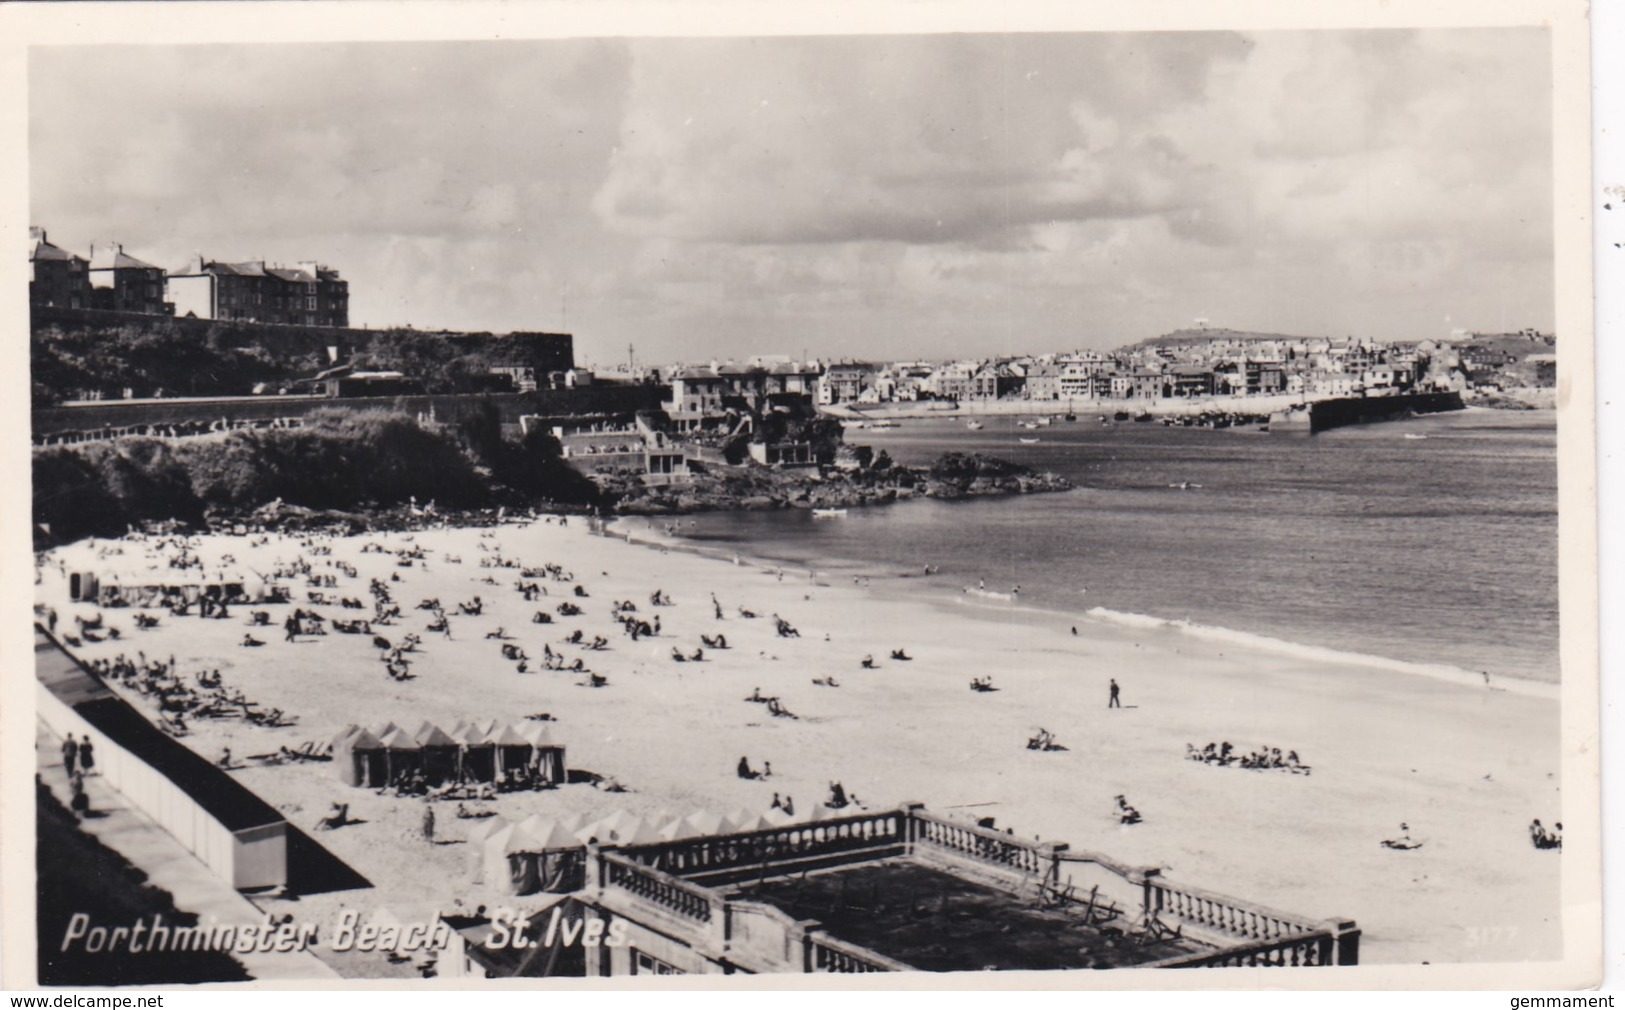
1465,766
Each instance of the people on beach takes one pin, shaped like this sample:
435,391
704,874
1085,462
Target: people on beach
70,755
1125,812
1404,841
1116,700
1542,838
87,756
428,820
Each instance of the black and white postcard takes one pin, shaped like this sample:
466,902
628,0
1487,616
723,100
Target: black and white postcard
521,492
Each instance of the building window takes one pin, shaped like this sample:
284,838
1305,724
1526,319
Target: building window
310,302
643,964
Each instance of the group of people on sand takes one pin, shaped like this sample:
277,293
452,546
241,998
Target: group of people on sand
839,798
1545,838
207,696
1263,759
747,772
1043,740
1125,811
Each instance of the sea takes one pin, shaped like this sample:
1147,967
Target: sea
1430,541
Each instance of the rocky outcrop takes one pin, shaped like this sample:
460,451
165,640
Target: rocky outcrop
714,489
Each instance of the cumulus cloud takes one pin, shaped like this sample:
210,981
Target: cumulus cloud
863,195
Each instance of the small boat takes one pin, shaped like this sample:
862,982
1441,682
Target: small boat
1027,441
1185,485
883,424
829,513
974,425
1030,425
1414,436
1045,422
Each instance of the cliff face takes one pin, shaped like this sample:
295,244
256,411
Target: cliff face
954,475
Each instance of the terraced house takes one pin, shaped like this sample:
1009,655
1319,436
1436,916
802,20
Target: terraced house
309,294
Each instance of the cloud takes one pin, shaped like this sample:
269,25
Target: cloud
926,195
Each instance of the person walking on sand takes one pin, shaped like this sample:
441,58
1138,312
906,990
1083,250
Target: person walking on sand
428,821
87,756
1115,702
70,754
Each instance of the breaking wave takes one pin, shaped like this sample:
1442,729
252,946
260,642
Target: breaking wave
1323,654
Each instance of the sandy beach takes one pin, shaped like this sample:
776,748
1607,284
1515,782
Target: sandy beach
1465,766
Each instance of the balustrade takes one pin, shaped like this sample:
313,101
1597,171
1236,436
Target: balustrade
981,843
668,892
1295,950
689,856
1224,915
827,954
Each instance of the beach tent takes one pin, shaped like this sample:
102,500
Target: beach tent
777,818
704,822
513,750
677,830
643,834
360,760
476,838
609,829
574,822
401,752
559,859
479,754
442,755
743,820
513,862
548,754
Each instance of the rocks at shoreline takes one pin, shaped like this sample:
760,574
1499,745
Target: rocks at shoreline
953,476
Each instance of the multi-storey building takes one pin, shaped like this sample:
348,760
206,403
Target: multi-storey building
310,294
58,278
121,283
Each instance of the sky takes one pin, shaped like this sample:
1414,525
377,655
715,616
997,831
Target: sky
869,197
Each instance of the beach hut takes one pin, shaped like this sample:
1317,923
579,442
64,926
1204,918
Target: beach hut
609,829
560,862
744,820
478,754
478,834
510,866
706,823
513,750
547,758
442,754
401,753
360,760
678,830
777,818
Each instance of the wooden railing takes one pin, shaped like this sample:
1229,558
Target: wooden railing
713,853
982,844
826,953
1295,950
678,896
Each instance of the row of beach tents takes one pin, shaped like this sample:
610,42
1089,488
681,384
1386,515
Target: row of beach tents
549,854
467,752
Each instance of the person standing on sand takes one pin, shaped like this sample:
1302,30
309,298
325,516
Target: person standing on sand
428,820
1115,701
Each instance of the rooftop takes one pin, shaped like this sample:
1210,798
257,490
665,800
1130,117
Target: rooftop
934,920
